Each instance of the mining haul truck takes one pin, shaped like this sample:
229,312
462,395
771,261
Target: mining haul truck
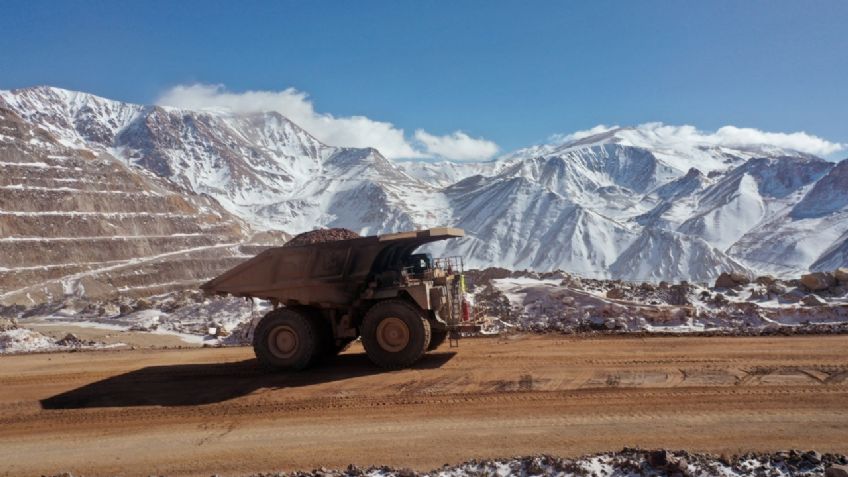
327,294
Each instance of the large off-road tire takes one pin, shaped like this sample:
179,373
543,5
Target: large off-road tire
395,334
287,338
436,339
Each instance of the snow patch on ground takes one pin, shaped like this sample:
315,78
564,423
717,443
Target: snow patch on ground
22,340
191,317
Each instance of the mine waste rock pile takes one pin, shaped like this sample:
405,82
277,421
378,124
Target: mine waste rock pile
627,462
321,235
735,304
817,289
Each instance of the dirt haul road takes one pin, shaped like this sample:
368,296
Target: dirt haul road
205,411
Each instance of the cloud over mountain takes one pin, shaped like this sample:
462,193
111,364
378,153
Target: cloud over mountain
686,136
457,146
351,131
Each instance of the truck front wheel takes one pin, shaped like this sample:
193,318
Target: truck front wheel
395,334
286,339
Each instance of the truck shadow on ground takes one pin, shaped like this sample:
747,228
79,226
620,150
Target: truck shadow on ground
194,384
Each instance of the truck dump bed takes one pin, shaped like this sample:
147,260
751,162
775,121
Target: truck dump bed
323,274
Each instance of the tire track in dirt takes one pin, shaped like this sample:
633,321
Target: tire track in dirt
199,411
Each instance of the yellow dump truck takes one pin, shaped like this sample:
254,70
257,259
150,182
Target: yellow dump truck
327,294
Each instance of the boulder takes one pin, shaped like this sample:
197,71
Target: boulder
109,309
732,279
725,281
678,467
612,324
813,300
814,457
405,472
758,294
679,294
793,296
657,458
7,324
353,470
777,288
70,340
720,300
836,470
841,274
740,278
765,280
818,281
616,294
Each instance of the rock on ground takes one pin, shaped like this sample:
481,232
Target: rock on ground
732,279
7,324
837,470
818,281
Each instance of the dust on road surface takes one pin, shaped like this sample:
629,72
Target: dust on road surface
206,411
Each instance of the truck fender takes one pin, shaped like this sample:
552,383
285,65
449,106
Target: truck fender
420,294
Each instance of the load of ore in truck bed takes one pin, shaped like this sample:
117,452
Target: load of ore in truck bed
321,235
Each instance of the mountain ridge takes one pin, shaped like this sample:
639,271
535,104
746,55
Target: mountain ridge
580,204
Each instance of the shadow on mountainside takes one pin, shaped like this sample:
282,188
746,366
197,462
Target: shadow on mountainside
195,384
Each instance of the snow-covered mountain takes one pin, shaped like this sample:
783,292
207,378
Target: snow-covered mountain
634,203
605,207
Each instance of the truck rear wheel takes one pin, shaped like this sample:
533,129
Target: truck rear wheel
286,339
395,334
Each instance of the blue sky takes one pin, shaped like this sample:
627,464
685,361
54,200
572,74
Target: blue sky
514,73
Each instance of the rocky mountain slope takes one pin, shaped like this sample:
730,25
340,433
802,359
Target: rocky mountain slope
80,222
624,203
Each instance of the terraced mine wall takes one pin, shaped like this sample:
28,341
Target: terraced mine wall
74,223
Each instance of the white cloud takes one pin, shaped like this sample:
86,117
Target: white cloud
457,146
682,137
577,135
352,131
799,141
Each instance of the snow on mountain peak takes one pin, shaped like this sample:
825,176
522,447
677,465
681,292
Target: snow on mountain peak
645,202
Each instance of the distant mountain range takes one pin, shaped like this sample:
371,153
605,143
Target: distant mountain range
622,203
